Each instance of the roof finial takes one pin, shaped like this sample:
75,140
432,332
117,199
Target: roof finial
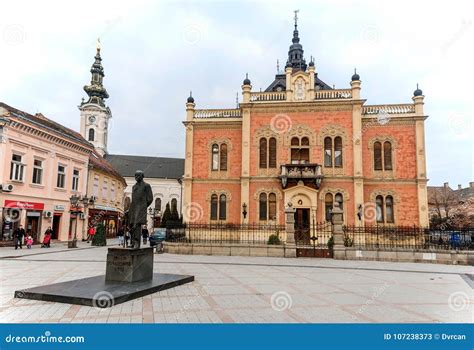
278,66
98,44
190,98
237,99
296,17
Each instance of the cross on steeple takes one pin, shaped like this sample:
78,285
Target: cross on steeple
296,17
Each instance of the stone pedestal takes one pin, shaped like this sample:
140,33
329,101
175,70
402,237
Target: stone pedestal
129,265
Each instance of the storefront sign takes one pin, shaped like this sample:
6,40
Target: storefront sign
33,213
59,207
24,205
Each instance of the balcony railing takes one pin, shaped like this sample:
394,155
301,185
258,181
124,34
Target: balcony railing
268,96
310,172
217,113
334,94
389,109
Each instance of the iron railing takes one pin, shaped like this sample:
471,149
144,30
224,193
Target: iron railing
408,237
228,233
314,235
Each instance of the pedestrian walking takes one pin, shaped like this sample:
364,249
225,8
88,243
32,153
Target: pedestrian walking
145,234
29,242
18,235
90,233
127,236
120,234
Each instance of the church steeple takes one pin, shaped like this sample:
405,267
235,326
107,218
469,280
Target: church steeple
295,54
96,91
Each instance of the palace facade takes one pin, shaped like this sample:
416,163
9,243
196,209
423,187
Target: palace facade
305,144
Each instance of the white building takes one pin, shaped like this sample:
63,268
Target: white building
163,174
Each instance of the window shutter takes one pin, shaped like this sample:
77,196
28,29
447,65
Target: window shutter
272,150
223,158
263,152
377,156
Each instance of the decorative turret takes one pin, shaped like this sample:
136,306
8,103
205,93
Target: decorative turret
355,76
247,80
96,91
295,54
418,100
190,98
418,91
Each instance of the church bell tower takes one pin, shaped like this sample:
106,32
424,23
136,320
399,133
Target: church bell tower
95,114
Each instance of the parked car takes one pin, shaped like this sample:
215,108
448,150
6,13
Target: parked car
157,236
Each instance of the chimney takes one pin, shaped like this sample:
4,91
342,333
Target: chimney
459,187
471,184
446,185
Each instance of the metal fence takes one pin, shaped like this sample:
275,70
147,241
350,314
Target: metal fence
314,235
228,233
408,237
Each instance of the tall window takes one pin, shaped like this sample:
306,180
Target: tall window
214,207
267,155
91,135
218,207
158,204
383,160
333,152
112,191
379,209
222,207
299,150
328,152
219,157
95,187
75,180
37,172
105,189
17,168
223,158
174,205
267,206
263,153
384,209
61,180
215,157
329,201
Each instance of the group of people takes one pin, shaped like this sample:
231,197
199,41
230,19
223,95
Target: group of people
124,235
20,237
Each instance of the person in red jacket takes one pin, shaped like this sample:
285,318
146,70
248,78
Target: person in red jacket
90,233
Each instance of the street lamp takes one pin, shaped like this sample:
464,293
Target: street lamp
244,210
74,200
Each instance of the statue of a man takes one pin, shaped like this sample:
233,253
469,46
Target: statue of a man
142,197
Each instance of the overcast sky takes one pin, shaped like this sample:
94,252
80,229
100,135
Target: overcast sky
155,53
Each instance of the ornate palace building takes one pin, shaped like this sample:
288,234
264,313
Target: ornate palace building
305,144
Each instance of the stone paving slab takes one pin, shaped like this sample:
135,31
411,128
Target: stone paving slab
246,290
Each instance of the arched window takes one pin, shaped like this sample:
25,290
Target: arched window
263,206
389,210
158,204
299,151
174,204
379,209
272,210
223,157
338,152
214,206
328,152
377,156
263,152
272,153
328,206
387,155
91,135
222,207
215,157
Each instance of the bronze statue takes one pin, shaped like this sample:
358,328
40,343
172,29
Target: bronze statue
142,197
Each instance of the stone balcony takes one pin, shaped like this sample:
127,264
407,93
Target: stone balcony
308,173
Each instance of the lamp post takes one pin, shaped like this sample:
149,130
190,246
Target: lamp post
74,200
244,210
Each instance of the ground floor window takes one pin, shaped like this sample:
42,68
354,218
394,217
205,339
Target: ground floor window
267,206
329,201
218,207
384,209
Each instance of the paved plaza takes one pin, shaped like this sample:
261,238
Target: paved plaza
245,289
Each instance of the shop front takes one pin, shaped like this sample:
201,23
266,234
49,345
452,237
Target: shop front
28,214
108,216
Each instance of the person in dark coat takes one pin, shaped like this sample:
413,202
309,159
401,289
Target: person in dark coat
145,234
18,235
120,235
142,197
